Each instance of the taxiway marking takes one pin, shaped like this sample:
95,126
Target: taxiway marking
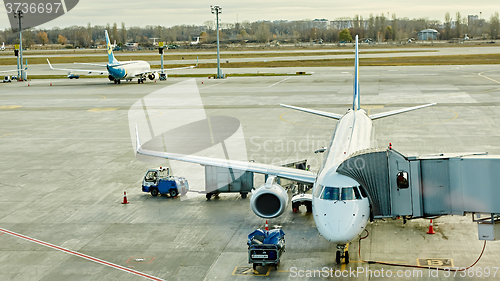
87,257
280,81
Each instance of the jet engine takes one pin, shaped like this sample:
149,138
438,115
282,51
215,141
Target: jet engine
153,76
111,78
269,200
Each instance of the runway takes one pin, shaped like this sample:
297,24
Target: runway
67,158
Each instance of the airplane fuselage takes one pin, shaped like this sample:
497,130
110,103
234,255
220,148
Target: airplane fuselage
128,71
340,210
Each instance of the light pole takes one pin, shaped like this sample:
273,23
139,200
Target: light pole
217,10
19,15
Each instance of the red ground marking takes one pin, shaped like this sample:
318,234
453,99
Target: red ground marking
87,257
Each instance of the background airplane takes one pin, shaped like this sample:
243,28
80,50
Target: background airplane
3,47
340,205
118,71
195,42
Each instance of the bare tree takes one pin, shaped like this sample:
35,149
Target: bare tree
458,24
494,25
123,32
447,26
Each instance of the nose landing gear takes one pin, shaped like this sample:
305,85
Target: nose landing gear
342,253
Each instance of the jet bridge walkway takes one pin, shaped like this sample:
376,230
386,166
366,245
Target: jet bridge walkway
428,186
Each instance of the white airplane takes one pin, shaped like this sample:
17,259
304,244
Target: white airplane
340,205
16,70
3,47
118,71
195,42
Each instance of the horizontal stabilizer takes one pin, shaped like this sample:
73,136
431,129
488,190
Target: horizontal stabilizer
317,112
397,111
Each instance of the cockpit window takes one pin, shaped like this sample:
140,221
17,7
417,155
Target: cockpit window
356,193
318,190
363,191
347,193
330,193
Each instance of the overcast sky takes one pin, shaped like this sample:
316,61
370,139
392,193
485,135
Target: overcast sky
195,12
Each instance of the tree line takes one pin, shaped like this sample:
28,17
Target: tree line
375,27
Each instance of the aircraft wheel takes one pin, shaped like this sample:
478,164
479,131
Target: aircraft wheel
243,195
254,266
114,82
138,81
346,257
154,192
337,257
119,82
173,193
209,195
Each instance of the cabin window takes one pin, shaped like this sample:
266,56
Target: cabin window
330,193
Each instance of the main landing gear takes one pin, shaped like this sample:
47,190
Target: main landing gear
342,253
141,80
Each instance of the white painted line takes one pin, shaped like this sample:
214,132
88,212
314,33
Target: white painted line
64,250
280,81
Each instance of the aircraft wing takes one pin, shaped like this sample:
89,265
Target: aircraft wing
397,111
282,172
99,72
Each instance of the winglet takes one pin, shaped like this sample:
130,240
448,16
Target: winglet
137,140
50,65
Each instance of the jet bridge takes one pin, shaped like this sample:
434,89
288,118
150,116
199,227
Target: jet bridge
427,186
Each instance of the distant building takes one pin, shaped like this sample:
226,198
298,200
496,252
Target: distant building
428,34
320,23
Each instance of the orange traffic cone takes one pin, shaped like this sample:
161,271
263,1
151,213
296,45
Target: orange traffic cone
125,198
431,229
50,84
267,226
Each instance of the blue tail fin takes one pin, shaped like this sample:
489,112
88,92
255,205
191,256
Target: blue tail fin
355,102
111,57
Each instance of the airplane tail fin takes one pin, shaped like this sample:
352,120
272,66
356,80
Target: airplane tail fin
355,102
111,57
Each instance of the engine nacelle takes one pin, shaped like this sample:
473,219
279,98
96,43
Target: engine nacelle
269,200
153,76
111,78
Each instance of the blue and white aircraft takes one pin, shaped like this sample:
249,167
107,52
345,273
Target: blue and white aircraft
118,71
340,205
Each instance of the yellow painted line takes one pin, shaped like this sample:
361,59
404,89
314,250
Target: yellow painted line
102,109
10,106
5,135
342,268
481,74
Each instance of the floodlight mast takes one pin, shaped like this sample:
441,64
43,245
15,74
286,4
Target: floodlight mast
19,15
217,10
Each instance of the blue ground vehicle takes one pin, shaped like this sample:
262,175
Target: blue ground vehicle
159,181
266,247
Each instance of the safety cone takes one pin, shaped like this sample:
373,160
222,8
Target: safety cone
267,226
125,201
431,229
50,84
201,82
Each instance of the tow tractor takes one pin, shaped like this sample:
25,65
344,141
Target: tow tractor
159,181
